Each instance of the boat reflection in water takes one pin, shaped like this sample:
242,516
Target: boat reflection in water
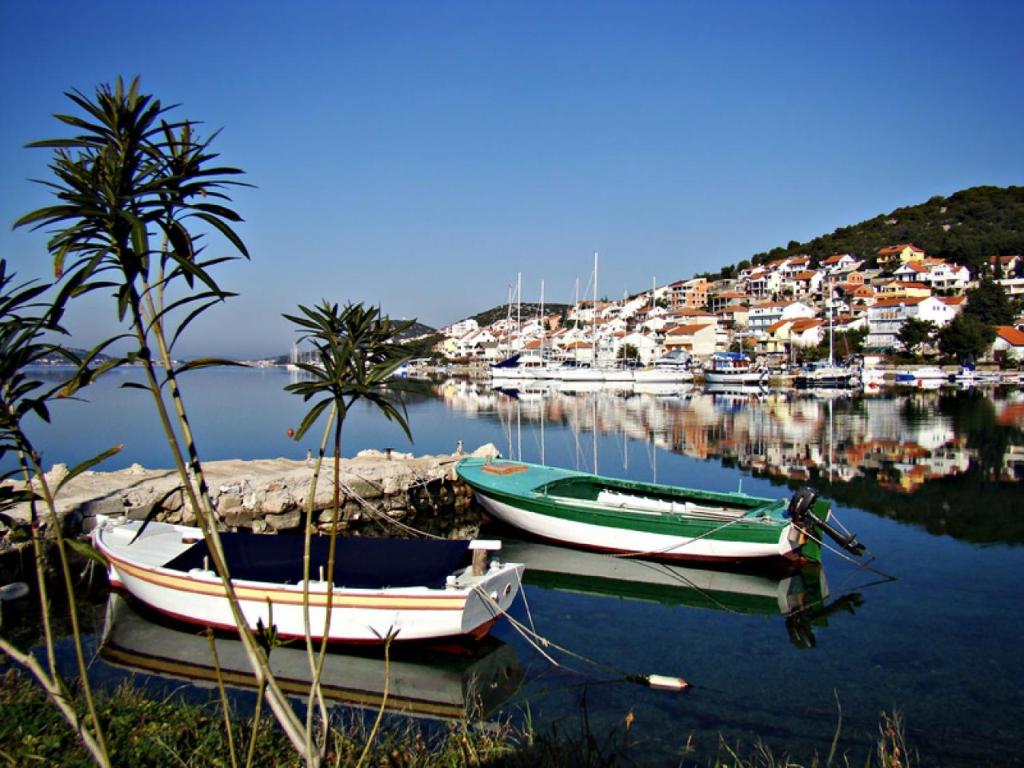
462,681
802,597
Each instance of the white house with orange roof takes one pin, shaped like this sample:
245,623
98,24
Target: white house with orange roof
804,283
938,274
793,265
688,315
762,283
1008,344
764,314
887,316
840,262
699,339
798,332
734,315
1005,266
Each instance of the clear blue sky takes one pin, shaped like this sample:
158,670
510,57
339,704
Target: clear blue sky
418,155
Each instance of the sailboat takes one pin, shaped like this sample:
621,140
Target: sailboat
826,374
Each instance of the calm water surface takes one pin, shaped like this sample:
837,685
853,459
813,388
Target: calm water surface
930,481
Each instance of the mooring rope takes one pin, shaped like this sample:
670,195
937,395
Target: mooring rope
536,640
677,546
385,517
526,602
866,566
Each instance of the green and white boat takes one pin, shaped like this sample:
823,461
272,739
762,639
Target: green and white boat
652,520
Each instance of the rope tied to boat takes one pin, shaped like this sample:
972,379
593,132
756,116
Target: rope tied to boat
540,643
704,535
381,516
862,564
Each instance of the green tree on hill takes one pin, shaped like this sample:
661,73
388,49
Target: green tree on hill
914,334
989,304
966,338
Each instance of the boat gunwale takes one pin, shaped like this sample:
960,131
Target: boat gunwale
317,588
763,527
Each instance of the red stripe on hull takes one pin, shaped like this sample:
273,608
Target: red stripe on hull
477,634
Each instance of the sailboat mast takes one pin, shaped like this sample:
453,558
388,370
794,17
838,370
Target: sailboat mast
831,312
595,309
519,304
543,322
508,323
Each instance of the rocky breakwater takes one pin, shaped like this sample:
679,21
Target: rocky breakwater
381,493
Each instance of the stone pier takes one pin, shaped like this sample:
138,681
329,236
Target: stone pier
381,494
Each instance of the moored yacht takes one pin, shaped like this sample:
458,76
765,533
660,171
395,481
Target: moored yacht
733,368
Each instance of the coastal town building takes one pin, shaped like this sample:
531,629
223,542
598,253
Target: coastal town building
699,339
766,313
689,293
887,316
894,255
838,263
1008,344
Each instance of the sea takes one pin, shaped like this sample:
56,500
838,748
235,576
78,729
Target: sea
927,628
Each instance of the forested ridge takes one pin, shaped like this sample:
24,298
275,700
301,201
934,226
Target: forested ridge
966,228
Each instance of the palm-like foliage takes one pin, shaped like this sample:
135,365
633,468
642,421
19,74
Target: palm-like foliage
356,351
24,321
130,184
128,175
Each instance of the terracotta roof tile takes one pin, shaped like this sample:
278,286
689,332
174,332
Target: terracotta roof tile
1010,335
687,330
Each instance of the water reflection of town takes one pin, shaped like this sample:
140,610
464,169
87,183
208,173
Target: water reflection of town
899,442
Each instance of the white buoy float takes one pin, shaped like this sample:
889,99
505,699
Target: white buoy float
663,682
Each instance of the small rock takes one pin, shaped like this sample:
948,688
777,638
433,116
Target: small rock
284,522
238,517
228,502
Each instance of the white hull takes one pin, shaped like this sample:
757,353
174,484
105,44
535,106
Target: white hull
357,615
616,376
623,540
578,374
661,376
723,377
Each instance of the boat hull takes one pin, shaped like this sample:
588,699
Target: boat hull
748,377
657,531
356,615
603,538
826,381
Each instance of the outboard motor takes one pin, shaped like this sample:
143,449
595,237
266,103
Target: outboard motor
800,506
801,513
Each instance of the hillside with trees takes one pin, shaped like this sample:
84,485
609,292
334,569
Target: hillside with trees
527,310
966,228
